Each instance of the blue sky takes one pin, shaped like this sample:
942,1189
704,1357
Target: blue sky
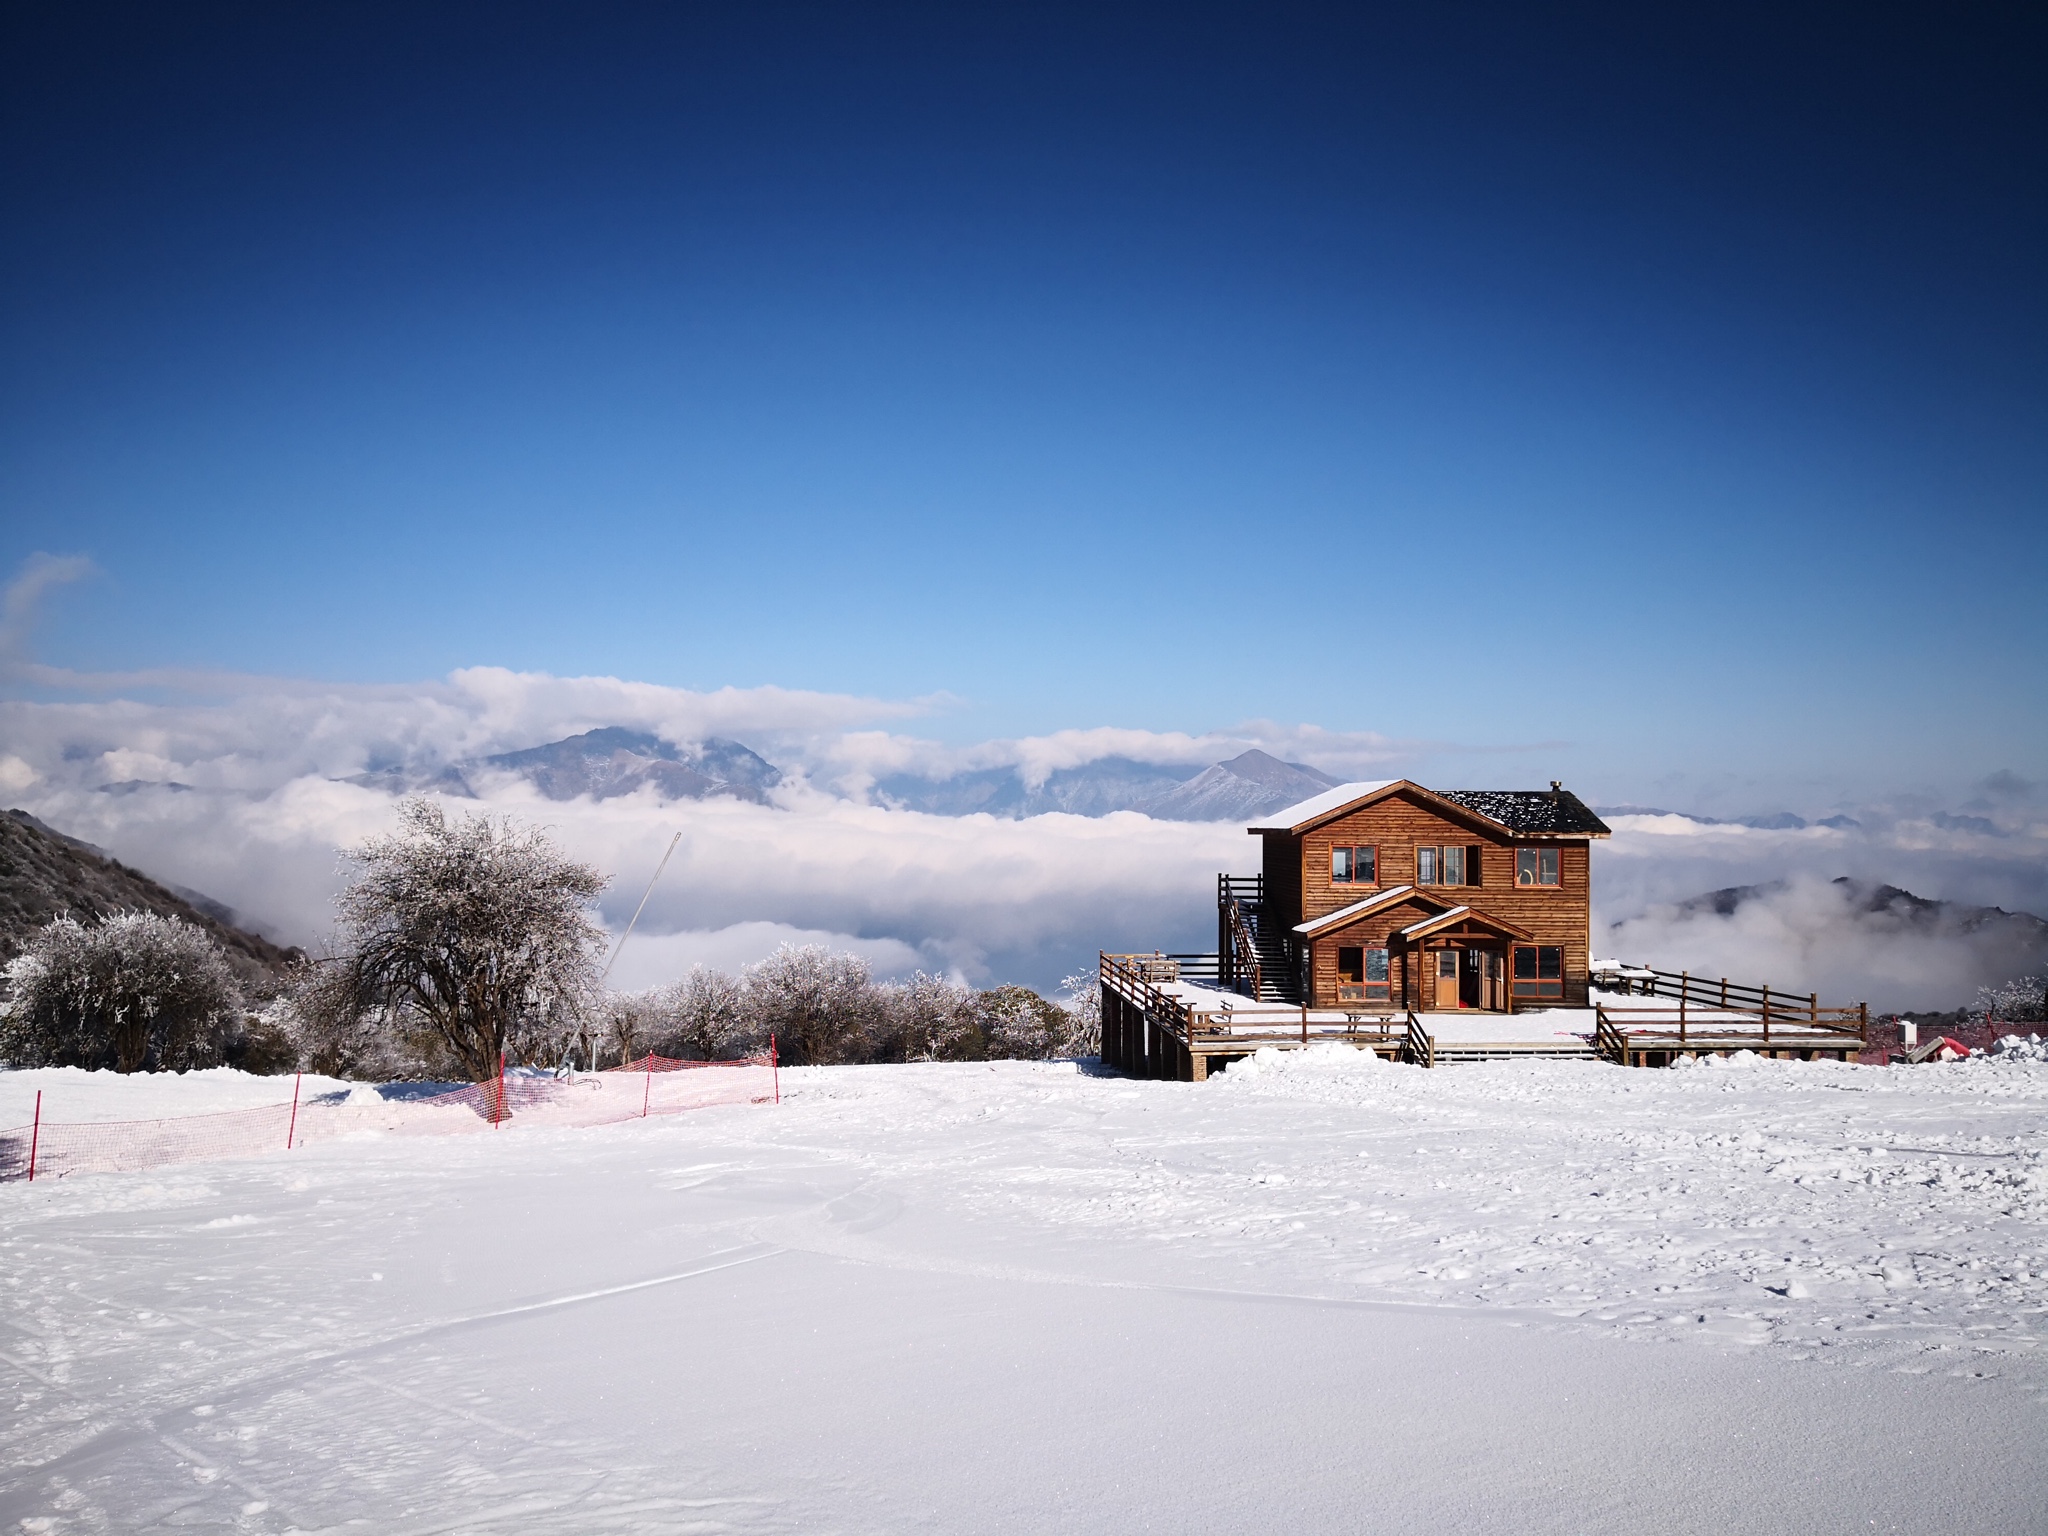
1655,404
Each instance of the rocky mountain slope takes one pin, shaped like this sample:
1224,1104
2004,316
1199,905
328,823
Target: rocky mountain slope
44,874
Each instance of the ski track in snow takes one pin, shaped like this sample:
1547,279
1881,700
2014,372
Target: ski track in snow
606,1330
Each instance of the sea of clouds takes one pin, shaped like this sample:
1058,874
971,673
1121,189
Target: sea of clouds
264,810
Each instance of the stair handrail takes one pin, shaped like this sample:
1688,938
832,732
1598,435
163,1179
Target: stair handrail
1420,1045
1244,948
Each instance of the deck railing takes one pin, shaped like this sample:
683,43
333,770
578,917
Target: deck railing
1137,978
1711,1023
1700,1000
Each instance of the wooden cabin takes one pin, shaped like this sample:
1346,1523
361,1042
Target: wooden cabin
1390,895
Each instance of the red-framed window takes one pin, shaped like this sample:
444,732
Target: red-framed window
1452,864
1539,970
1356,864
1536,866
1362,975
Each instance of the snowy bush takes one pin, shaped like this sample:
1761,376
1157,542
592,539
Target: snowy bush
1017,1024
133,991
934,1019
821,1007
2021,1001
1083,1004
459,940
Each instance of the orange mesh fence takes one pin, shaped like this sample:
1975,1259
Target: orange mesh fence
654,1085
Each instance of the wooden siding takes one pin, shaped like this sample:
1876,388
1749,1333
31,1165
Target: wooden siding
1558,915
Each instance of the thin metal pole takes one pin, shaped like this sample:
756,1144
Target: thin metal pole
775,1068
293,1129
639,909
35,1135
647,1091
498,1118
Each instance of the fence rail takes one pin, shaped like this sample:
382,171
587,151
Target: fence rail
1764,1003
654,1085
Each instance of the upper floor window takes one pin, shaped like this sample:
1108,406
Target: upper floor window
1536,866
1355,866
1447,866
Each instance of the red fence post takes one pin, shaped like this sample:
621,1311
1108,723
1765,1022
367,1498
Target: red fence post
35,1135
774,1068
293,1129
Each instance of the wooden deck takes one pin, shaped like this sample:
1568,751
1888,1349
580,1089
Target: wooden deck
1159,1022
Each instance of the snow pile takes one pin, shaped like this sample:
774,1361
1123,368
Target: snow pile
1322,1059
2020,1048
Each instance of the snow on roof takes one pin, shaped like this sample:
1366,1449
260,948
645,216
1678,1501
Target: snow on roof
1555,811
1356,909
1430,922
1290,817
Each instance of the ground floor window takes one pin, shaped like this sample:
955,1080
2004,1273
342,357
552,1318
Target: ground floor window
1361,975
1539,970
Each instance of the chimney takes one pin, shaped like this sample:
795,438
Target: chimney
1556,785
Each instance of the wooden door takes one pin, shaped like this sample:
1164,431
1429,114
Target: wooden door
1446,976
1493,989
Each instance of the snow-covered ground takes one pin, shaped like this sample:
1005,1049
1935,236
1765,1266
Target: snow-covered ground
1317,1293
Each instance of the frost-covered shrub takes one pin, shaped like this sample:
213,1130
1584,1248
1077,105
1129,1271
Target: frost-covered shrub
1082,994
1019,1025
821,1007
2020,1001
133,991
934,1019
705,1018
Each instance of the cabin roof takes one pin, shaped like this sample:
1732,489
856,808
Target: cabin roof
1554,812
1455,915
1357,909
1558,812
1290,818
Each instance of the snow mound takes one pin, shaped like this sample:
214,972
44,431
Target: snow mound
1324,1058
2018,1048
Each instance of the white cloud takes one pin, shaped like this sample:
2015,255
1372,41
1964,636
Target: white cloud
652,960
996,900
1806,934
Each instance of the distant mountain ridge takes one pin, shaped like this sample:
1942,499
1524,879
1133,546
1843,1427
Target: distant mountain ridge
1777,821
44,874
1250,784
616,761
1930,916
602,763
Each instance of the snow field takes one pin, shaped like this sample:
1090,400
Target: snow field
1317,1293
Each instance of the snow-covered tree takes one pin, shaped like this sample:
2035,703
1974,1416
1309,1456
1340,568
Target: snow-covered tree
1017,1024
476,933
2023,1000
821,1007
1081,1000
934,1019
133,991
705,1017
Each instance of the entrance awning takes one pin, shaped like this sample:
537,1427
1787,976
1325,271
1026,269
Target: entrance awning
1463,920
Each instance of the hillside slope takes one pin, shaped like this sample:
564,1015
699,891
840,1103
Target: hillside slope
44,874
